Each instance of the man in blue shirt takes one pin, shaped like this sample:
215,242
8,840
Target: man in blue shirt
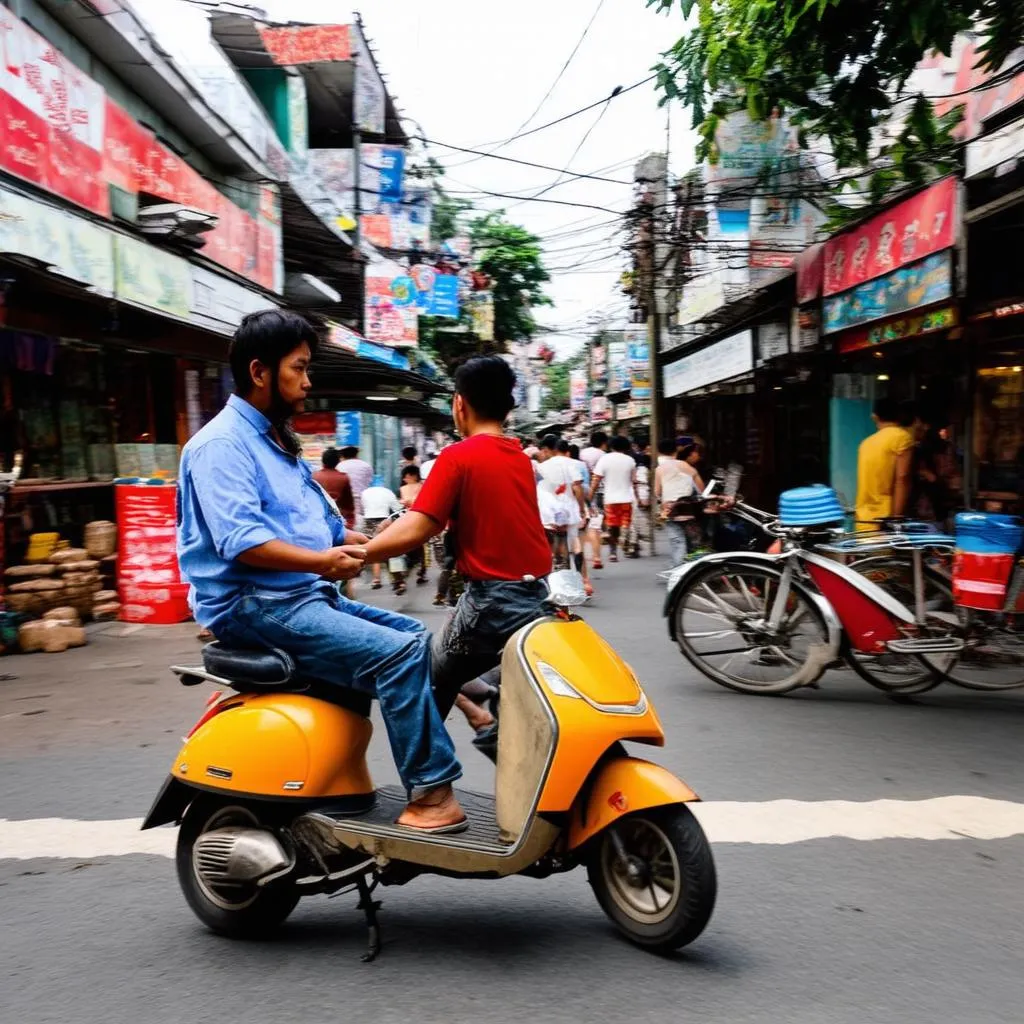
263,547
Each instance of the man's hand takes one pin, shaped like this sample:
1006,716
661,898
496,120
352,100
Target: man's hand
342,563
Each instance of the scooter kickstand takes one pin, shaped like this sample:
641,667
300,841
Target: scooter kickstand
369,907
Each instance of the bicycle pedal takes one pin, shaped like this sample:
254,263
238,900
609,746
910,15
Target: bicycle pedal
926,645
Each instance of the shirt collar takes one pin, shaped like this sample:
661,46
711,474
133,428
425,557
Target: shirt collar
250,414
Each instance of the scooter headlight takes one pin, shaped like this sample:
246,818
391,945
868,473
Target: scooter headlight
556,682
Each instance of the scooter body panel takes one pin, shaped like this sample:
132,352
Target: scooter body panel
610,705
279,745
619,787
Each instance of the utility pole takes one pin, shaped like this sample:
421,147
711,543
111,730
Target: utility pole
652,171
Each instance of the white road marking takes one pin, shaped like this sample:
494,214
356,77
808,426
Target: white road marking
771,822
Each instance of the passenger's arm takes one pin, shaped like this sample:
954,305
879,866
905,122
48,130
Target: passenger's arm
901,487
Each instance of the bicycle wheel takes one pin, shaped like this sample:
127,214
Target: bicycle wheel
722,628
993,653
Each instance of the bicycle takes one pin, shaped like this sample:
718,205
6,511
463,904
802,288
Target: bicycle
797,613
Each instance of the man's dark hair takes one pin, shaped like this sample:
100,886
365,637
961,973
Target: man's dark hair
598,438
268,336
886,410
330,458
620,443
667,447
550,442
413,471
485,384
409,452
349,451
563,446
574,451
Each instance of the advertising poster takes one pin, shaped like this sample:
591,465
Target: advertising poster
917,227
921,284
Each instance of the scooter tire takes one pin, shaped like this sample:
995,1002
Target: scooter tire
688,908
255,918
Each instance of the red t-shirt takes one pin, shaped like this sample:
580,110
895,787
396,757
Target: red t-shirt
485,485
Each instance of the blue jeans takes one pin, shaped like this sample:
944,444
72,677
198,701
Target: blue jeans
349,644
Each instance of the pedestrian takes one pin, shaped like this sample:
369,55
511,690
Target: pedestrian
884,468
672,485
380,502
407,494
337,485
617,471
360,476
563,480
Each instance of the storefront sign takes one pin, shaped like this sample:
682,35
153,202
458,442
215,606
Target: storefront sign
307,44
51,119
149,277
772,341
65,243
577,390
920,284
996,148
347,429
921,225
940,319
618,367
701,295
727,358
219,304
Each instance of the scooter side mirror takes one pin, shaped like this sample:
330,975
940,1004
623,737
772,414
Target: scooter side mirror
565,589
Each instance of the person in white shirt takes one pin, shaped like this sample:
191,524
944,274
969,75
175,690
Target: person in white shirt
563,480
360,475
378,502
617,471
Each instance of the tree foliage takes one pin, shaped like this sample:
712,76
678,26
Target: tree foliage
836,68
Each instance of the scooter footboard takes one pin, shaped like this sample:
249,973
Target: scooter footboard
618,787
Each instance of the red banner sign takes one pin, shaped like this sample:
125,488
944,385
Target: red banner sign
917,227
307,44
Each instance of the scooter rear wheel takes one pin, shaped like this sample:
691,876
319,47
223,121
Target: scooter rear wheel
242,913
655,877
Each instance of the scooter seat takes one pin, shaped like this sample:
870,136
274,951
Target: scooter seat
252,671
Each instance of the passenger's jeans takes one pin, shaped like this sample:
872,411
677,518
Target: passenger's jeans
677,541
470,642
349,644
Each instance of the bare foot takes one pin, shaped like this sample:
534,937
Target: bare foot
478,717
437,810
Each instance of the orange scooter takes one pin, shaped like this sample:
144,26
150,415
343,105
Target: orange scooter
275,801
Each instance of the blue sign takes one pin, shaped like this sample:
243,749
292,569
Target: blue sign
922,283
347,428
444,299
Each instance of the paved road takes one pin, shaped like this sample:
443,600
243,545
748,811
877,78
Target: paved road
823,930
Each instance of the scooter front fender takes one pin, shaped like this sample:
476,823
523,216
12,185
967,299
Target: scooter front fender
619,787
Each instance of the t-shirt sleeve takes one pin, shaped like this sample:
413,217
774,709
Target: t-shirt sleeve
440,494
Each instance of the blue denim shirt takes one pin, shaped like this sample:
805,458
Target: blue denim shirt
238,489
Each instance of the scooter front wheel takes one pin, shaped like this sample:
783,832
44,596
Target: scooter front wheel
237,911
654,876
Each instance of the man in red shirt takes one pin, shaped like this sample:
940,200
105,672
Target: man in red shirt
484,487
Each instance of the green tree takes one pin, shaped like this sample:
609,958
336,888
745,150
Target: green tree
835,68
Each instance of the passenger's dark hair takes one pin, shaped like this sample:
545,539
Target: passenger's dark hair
485,384
667,447
598,438
409,452
413,471
574,451
268,336
330,458
349,451
563,446
886,410
620,443
550,442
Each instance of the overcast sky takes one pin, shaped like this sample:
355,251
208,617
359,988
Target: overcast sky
471,73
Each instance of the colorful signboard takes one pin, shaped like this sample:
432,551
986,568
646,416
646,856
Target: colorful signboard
921,284
919,226
727,358
913,326
307,44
